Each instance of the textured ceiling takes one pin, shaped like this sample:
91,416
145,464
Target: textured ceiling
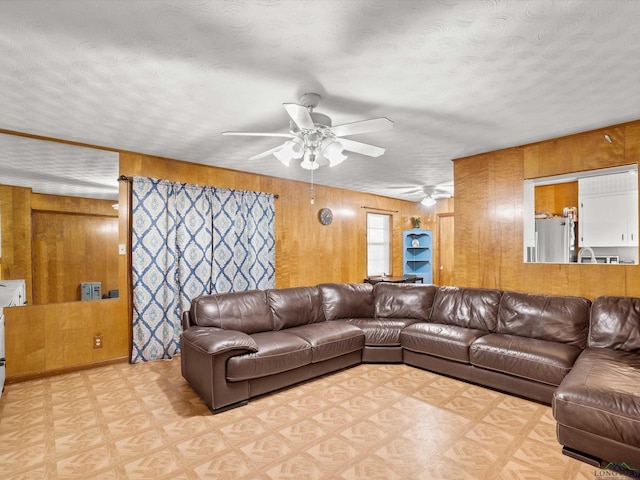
58,168
456,77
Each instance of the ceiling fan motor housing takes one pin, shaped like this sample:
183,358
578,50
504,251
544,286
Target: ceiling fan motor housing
310,100
319,119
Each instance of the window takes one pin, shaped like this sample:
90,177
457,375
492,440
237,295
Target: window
378,244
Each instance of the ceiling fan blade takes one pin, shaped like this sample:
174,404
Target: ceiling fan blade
363,126
300,115
260,134
363,148
267,153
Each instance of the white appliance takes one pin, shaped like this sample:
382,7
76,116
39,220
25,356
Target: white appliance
12,294
555,240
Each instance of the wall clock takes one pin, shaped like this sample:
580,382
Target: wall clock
325,215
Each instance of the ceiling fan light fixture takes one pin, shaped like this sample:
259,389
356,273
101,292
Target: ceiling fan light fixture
296,146
428,201
309,162
284,155
293,148
332,151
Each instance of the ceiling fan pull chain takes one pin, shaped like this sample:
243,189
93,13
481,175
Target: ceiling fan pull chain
313,200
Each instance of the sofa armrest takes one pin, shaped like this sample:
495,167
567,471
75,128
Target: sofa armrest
185,319
214,341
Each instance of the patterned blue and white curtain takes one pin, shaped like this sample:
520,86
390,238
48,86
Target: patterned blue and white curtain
188,241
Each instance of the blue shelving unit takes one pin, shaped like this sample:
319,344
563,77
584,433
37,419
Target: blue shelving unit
417,253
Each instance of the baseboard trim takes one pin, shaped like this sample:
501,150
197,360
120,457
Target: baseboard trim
60,371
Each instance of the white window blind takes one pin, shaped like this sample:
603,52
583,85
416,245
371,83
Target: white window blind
378,244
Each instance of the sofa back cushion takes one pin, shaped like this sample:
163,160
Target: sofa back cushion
615,323
347,300
247,312
561,319
403,300
295,306
475,308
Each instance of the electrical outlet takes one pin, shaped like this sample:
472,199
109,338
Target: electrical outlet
97,341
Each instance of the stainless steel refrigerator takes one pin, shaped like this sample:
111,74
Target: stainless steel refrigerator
556,240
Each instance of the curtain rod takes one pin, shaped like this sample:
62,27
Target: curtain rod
379,209
124,178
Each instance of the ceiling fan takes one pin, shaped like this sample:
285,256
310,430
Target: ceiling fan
313,139
431,193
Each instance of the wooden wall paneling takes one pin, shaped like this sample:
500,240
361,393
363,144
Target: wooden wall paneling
43,338
501,244
108,316
488,219
632,142
472,220
532,167
507,185
597,152
24,340
16,235
64,334
48,268
549,278
69,249
599,280
575,153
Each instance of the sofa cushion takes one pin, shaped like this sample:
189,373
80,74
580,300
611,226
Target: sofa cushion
475,308
615,323
347,300
601,395
380,332
246,312
403,300
561,319
446,341
330,339
295,306
277,352
538,360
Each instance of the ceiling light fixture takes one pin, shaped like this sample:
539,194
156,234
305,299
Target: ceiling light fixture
313,139
332,151
428,201
291,149
315,148
310,160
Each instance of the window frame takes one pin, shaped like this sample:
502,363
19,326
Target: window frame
387,242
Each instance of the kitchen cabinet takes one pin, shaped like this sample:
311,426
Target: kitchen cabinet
608,211
417,253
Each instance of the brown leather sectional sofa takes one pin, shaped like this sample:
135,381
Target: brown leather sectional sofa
579,356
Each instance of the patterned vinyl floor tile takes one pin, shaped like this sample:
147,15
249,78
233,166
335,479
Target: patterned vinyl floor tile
369,422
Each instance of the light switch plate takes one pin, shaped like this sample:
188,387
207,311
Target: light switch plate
122,249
